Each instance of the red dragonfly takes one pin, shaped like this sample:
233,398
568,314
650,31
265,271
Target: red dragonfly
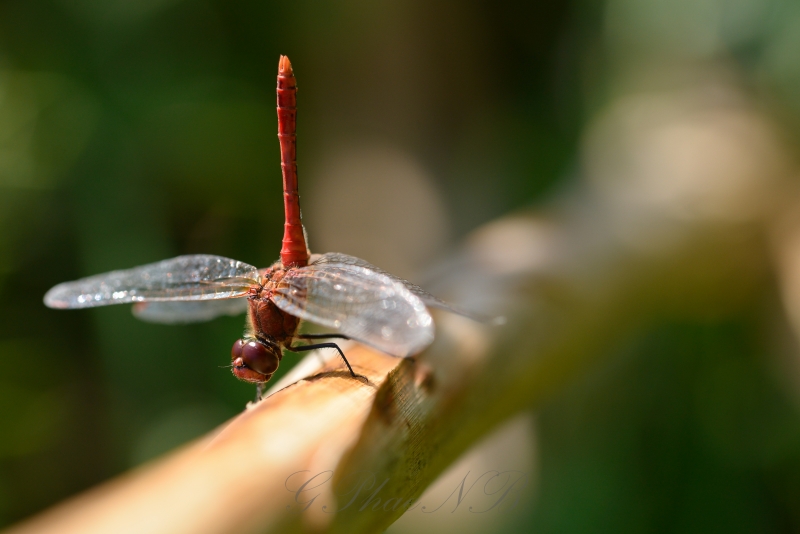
359,300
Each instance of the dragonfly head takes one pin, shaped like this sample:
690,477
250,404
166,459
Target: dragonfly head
254,361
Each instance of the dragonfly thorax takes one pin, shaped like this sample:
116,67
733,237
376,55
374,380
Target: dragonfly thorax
267,322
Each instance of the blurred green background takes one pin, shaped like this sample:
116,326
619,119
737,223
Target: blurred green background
136,130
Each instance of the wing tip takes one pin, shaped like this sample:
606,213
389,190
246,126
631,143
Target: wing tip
51,300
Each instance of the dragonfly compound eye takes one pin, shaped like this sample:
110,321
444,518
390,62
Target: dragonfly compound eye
253,361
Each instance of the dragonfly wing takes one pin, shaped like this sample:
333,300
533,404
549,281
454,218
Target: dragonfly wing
424,296
196,277
188,311
362,303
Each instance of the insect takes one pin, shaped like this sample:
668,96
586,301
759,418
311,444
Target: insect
359,300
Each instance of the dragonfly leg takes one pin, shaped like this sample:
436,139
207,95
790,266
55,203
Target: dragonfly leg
259,391
322,336
303,348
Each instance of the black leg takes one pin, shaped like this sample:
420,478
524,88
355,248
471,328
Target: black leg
322,336
303,348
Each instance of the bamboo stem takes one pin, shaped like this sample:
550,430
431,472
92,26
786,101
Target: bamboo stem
619,253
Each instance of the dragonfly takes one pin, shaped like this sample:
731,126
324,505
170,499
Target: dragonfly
358,300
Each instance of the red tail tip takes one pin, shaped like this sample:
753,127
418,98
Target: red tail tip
285,66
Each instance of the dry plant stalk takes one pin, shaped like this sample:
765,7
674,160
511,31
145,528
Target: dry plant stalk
233,480
682,230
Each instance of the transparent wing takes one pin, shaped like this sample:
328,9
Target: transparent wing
197,277
362,303
188,311
424,296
